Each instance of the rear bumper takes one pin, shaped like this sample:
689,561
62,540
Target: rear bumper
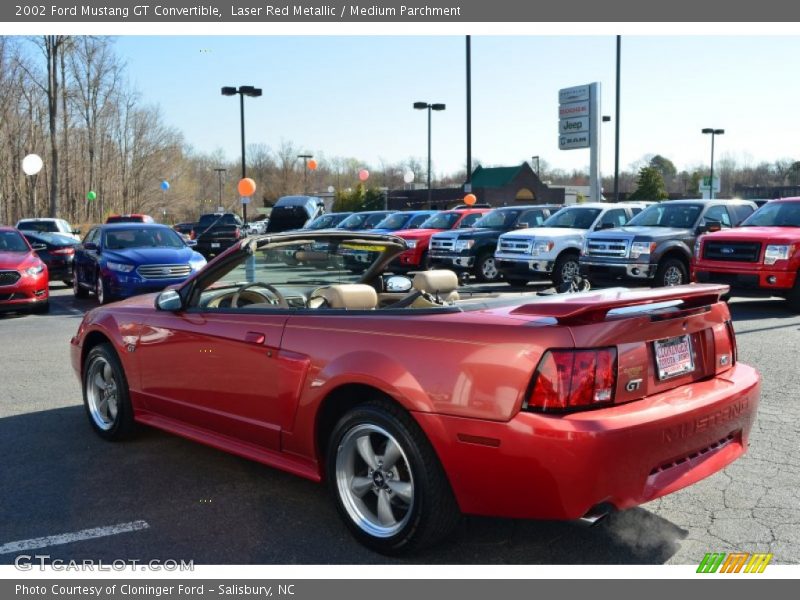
744,278
560,466
207,248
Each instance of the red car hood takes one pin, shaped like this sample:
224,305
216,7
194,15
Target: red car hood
415,234
17,260
768,235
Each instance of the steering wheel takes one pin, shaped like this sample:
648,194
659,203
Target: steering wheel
270,288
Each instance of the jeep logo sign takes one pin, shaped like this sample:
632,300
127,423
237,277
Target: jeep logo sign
574,125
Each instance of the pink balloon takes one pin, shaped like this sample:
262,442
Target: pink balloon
363,174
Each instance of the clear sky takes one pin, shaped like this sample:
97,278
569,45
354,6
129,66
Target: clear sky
352,96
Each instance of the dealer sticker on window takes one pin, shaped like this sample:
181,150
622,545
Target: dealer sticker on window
674,356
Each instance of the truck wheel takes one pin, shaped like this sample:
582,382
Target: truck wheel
671,272
486,269
793,297
566,269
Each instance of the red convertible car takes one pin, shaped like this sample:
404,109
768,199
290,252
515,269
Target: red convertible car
415,404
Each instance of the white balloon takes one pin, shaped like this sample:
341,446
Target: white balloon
32,164
408,176
331,189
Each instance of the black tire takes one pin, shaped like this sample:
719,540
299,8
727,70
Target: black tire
432,512
425,261
67,282
793,297
565,269
101,291
77,290
485,268
117,422
671,272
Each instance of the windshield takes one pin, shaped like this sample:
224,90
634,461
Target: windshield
444,220
497,219
775,214
575,217
11,241
226,219
395,221
38,226
324,222
683,216
150,237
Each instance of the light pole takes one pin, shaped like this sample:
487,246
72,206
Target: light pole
220,171
305,158
430,107
253,92
713,132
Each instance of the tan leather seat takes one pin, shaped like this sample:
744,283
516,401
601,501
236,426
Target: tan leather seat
351,296
440,283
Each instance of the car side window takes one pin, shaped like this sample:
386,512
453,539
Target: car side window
532,218
469,220
616,217
417,221
741,212
91,237
718,213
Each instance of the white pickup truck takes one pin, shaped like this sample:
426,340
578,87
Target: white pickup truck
552,250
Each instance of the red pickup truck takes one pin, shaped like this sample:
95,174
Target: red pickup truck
761,255
418,240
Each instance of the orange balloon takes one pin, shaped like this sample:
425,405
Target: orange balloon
246,187
312,165
470,199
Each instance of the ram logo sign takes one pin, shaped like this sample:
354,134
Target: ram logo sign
735,562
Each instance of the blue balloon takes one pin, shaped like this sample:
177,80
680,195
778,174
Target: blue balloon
165,185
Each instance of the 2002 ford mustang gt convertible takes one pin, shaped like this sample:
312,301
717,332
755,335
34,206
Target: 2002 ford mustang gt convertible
417,405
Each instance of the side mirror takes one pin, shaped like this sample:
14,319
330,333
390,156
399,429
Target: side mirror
76,231
169,300
90,246
397,283
38,247
714,226
191,243
523,226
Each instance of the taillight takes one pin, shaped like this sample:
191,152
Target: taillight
571,379
63,251
732,338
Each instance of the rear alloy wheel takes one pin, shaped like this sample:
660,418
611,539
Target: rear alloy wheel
105,394
100,292
386,480
486,268
77,290
671,272
565,270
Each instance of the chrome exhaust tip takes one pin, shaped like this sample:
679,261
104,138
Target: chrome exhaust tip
596,514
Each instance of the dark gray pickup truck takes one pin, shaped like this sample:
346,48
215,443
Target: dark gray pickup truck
216,232
656,246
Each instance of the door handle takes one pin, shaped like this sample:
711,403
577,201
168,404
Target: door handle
254,337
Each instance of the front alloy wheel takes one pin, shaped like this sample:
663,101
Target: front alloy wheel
105,393
386,480
487,269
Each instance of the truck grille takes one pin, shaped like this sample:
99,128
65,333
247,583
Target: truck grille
9,277
605,247
164,271
515,246
445,245
732,251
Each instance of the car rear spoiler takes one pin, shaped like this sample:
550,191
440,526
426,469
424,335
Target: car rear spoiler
592,307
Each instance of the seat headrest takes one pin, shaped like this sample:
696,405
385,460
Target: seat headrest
353,296
439,281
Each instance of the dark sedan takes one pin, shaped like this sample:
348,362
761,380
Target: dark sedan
57,251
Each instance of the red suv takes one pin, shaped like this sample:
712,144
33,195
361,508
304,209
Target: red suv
763,254
418,240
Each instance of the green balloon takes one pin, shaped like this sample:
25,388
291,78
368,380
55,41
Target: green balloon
91,196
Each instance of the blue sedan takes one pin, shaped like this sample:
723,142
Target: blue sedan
125,259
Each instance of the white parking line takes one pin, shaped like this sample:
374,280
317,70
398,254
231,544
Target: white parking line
75,536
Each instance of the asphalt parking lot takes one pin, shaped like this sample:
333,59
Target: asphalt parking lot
58,477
